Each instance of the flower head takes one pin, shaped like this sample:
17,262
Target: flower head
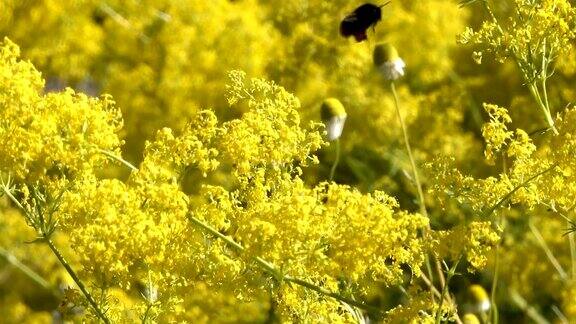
388,62
470,318
480,298
334,115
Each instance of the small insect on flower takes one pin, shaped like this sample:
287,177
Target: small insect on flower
363,17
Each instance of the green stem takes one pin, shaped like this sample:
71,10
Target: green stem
77,280
530,311
336,160
422,202
271,269
535,93
8,192
27,271
547,251
334,295
118,158
145,317
45,237
572,251
409,150
494,309
451,273
518,187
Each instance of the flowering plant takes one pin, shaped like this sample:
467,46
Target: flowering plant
156,166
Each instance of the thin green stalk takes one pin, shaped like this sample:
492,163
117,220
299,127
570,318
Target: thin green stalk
547,251
414,171
572,251
336,160
8,192
145,317
530,311
535,93
118,158
77,280
409,150
9,257
544,76
451,274
46,238
430,273
494,306
422,202
570,235
433,291
336,296
561,317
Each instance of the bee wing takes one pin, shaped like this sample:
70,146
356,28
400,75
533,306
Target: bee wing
350,18
348,25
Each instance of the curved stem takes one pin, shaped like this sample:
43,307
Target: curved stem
409,150
336,160
530,311
422,203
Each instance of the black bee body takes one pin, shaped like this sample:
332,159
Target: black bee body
356,23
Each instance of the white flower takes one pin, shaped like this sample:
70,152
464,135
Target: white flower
392,70
387,61
334,127
333,116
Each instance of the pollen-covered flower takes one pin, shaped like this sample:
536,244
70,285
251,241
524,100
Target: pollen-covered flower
334,117
388,62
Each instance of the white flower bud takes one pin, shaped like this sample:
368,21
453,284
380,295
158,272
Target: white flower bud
333,116
388,62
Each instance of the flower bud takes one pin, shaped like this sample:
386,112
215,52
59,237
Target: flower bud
333,115
388,62
479,298
470,319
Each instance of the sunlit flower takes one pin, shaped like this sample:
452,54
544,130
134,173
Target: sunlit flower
334,117
479,298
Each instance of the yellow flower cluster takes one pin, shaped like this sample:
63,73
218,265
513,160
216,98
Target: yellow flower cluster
136,236
226,214
54,134
420,308
474,241
523,181
533,29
